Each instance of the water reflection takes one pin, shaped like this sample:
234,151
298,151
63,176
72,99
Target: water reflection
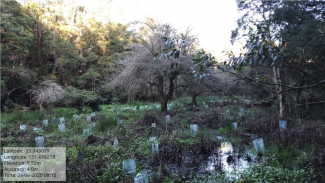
226,148
228,161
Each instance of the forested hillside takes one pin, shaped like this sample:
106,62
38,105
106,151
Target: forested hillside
58,41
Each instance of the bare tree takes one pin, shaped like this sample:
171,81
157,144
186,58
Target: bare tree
48,92
143,76
152,70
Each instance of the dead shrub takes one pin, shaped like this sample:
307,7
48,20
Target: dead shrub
48,92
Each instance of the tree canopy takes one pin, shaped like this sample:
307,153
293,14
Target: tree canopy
286,37
58,41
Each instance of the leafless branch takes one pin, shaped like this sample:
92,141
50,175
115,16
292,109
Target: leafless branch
9,92
48,91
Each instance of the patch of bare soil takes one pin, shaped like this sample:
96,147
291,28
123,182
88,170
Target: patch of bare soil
299,135
96,118
24,138
307,134
214,122
23,133
7,134
173,113
91,139
261,125
148,119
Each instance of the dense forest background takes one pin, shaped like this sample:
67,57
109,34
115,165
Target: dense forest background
56,53
58,41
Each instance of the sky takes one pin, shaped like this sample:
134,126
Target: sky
211,20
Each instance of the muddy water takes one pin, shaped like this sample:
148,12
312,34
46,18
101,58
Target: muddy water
225,159
228,160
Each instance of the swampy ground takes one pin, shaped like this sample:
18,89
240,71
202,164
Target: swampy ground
216,153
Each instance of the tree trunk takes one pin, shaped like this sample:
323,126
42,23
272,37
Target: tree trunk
161,94
73,15
194,95
162,97
306,97
276,79
39,39
80,53
163,105
276,70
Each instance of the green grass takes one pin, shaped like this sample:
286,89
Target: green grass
225,130
19,116
65,112
108,122
104,163
262,173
